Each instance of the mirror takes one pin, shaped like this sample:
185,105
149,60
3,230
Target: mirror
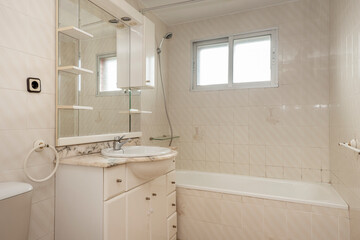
93,54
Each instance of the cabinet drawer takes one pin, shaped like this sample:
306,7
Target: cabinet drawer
170,182
114,181
172,225
171,203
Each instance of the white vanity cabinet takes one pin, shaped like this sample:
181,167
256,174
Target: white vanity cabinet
95,203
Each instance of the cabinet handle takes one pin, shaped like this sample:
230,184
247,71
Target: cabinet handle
118,180
154,194
147,198
173,182
174,226
173,204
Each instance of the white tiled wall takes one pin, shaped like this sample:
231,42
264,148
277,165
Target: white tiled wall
209,215
277,132
344,104
27,49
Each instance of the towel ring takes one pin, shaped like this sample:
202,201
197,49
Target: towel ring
39,145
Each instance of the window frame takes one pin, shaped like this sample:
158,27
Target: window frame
273,32
104,93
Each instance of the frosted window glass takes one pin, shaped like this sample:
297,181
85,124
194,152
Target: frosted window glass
108,74
213,62
252,60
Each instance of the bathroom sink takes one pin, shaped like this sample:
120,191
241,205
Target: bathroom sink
135,151
151,169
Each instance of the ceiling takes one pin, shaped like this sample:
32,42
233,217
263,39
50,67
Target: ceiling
202,9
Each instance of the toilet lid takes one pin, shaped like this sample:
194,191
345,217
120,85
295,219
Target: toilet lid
11,189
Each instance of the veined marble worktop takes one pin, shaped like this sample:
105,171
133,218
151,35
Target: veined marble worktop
98,160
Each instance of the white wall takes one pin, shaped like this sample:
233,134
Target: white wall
27,49
345,104
277,132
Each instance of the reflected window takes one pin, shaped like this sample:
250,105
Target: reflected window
107,75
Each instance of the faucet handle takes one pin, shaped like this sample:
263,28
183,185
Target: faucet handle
119,138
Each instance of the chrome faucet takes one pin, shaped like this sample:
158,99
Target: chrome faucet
117,144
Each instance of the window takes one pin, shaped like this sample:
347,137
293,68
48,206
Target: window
107,75
237,61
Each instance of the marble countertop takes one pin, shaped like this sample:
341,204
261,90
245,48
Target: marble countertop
98,160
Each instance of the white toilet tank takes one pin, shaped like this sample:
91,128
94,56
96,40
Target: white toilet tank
15,206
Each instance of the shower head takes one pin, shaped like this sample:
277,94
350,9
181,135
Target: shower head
166,36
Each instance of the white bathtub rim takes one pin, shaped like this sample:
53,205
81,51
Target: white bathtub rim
266,196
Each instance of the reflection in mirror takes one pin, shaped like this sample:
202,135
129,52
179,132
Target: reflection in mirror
104,105
107,75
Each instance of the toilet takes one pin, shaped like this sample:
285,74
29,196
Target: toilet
15,206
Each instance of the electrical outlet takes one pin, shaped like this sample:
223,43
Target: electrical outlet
33,85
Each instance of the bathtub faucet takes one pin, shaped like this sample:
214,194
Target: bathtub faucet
117,144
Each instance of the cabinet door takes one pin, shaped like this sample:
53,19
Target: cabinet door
115,218
150,55
138,204
158,208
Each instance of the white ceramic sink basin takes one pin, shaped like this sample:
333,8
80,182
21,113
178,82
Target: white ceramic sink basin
151,169
135,151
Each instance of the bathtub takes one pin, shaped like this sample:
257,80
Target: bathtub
320,194
213,206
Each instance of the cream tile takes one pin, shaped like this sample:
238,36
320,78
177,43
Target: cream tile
14,27
298,207
226,134
233,233
344,228
242,169
241,135
274,156
257,170
212,152
11,104
257,155
324,227
231,213
311,175
253,221
13,71
227,168
274,172
42,219
241,116
298,225
41,40
241,154
292,173
212,166
40,111
230,197
226,153
274,223
201,209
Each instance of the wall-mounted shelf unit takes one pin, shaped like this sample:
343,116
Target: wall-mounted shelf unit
74,107
74,70
350,146
135,111
75,32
